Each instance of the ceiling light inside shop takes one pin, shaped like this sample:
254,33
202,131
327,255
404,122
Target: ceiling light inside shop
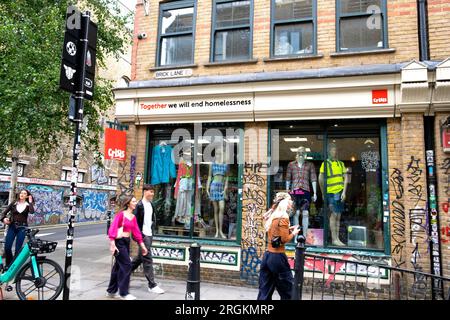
309,158
232,140
353,159
296,149
200,141
297,139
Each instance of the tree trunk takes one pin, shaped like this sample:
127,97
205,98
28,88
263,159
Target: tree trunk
14,168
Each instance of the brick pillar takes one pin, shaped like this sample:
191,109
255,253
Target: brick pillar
415,195
396,194
254,199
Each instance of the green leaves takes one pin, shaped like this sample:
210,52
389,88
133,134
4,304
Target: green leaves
33,110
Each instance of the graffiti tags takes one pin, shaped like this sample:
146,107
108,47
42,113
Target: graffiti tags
168,253
398,219
446,166
48,206
122,182
132,171
98,175
445,234
250,266
94,206
228,258
415,188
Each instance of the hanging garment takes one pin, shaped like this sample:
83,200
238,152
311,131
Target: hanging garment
163,167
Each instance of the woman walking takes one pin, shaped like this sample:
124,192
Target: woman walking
123,225
275,272
16,217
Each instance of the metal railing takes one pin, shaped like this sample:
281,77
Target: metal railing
326,278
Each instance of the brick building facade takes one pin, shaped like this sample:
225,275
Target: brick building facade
350,75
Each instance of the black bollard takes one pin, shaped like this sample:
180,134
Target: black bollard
193,281
299,268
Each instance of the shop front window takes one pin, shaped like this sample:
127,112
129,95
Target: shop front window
333,173
195,171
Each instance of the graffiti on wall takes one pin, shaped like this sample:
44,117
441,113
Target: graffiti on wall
418,236
253,207
126,188
98,175
95,205
48,206
398,219
227,258
168,253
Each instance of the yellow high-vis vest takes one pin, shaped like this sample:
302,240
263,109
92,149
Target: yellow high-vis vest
335,175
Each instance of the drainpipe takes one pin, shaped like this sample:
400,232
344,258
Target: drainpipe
424,45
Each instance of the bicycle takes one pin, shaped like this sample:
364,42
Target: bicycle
34,275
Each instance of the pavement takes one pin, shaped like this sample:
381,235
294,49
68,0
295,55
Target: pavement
91,267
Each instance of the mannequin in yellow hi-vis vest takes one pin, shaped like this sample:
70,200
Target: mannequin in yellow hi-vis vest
336,184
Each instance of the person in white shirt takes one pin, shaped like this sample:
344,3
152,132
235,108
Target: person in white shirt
146,219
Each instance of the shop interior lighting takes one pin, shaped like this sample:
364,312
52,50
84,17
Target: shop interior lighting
297,139
200,141
232,140
294,150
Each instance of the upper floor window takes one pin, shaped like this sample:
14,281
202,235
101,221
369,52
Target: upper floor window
176,33
231,30
66,175
361,25
293,27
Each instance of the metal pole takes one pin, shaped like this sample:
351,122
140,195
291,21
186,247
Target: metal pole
79,98
299,268
193,281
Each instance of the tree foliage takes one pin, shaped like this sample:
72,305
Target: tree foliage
33,110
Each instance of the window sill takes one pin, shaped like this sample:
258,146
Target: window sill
293,58
233,62
184,66
357,53
184,240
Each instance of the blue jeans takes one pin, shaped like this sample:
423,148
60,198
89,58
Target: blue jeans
335,204
275,273
15,232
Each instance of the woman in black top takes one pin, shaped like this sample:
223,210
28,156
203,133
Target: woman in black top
17,220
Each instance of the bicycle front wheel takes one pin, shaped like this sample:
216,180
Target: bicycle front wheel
47,287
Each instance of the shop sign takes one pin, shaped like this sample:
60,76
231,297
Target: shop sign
210,105
115,144
380,96
178,73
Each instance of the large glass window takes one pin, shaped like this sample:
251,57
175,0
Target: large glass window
232,30
361,24
176,36
293,27
195,171
341,164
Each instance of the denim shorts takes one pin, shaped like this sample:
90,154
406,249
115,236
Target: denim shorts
302,201
335,203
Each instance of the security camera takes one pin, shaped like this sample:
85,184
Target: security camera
142,35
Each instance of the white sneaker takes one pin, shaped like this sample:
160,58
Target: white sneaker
128,297
156,289
112,295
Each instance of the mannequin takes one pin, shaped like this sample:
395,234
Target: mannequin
300,173
337,182
184,189
217,186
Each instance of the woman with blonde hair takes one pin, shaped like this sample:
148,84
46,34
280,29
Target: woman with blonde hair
275,272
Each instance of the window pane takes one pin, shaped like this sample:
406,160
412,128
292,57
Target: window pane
176,50
293,39
360,6
301,186
359,32
232,45
178,20
357,221
232,14
293,9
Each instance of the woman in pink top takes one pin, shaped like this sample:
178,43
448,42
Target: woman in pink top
120,248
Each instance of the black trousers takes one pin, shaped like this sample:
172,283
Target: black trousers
275,273
147,261
121,271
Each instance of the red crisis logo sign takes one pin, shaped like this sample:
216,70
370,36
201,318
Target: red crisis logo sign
380,96
115,144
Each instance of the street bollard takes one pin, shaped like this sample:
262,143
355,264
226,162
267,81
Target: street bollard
108,221
299,268
193,281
